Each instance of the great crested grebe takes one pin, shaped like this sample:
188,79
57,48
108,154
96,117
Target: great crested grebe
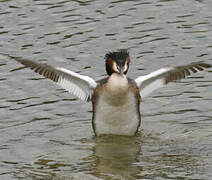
116,98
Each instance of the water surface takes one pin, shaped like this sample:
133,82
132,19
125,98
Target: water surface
45,133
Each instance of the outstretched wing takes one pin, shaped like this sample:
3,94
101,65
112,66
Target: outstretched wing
78,85
157,79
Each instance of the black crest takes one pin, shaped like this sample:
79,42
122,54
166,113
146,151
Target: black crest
118,56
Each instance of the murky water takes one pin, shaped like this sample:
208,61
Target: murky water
45,133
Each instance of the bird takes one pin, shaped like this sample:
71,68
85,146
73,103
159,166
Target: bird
116,98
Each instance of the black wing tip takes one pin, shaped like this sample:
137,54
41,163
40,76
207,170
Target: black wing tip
182,72
30,64
22,61
203,64
206,65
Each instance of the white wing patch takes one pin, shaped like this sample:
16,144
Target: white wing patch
145,92
74,86
155,83
78,85
141,79
157,79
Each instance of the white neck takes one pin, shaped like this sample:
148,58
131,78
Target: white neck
117,84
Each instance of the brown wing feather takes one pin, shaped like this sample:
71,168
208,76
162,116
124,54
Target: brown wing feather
44,69
79,85
180,72
163,76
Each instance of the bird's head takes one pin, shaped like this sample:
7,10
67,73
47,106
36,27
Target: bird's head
117,62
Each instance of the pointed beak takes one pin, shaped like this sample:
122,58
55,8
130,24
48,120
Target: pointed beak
121,69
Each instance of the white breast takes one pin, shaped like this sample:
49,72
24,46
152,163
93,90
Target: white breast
116,111
119,120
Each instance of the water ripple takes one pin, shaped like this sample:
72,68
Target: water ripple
49,129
